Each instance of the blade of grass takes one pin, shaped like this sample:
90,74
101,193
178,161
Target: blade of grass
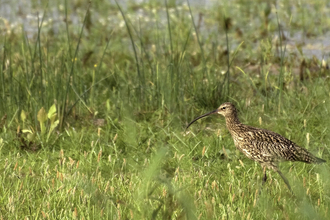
71,75
200,46
281,75
140,87
227,94
40,55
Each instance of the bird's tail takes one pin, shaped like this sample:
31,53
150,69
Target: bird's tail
307,157
319,160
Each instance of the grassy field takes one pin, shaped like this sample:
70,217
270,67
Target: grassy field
95,101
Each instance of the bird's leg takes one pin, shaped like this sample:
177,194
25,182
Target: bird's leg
285,180
265,176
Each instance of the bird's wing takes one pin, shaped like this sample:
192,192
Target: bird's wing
268,145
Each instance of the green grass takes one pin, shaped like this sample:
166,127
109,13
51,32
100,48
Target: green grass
124,90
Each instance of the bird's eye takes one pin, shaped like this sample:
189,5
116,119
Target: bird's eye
223,108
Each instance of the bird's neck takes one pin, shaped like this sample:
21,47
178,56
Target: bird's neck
232,122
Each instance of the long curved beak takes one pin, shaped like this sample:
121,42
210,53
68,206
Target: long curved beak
202,116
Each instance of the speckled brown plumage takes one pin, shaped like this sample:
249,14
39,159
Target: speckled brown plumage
266,147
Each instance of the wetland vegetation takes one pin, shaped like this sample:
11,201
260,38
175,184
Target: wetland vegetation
95,98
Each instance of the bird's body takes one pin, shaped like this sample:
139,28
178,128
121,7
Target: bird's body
266,147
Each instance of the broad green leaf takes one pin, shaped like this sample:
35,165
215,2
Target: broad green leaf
52,119
107,104
31,137
42,117
23,115
27,131
52,127
52,111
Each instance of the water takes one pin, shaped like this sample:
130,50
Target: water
27,14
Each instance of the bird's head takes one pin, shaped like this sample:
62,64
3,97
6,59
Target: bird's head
226,109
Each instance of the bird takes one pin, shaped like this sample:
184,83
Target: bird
261,145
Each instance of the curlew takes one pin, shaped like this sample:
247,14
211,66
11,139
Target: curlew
266,147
